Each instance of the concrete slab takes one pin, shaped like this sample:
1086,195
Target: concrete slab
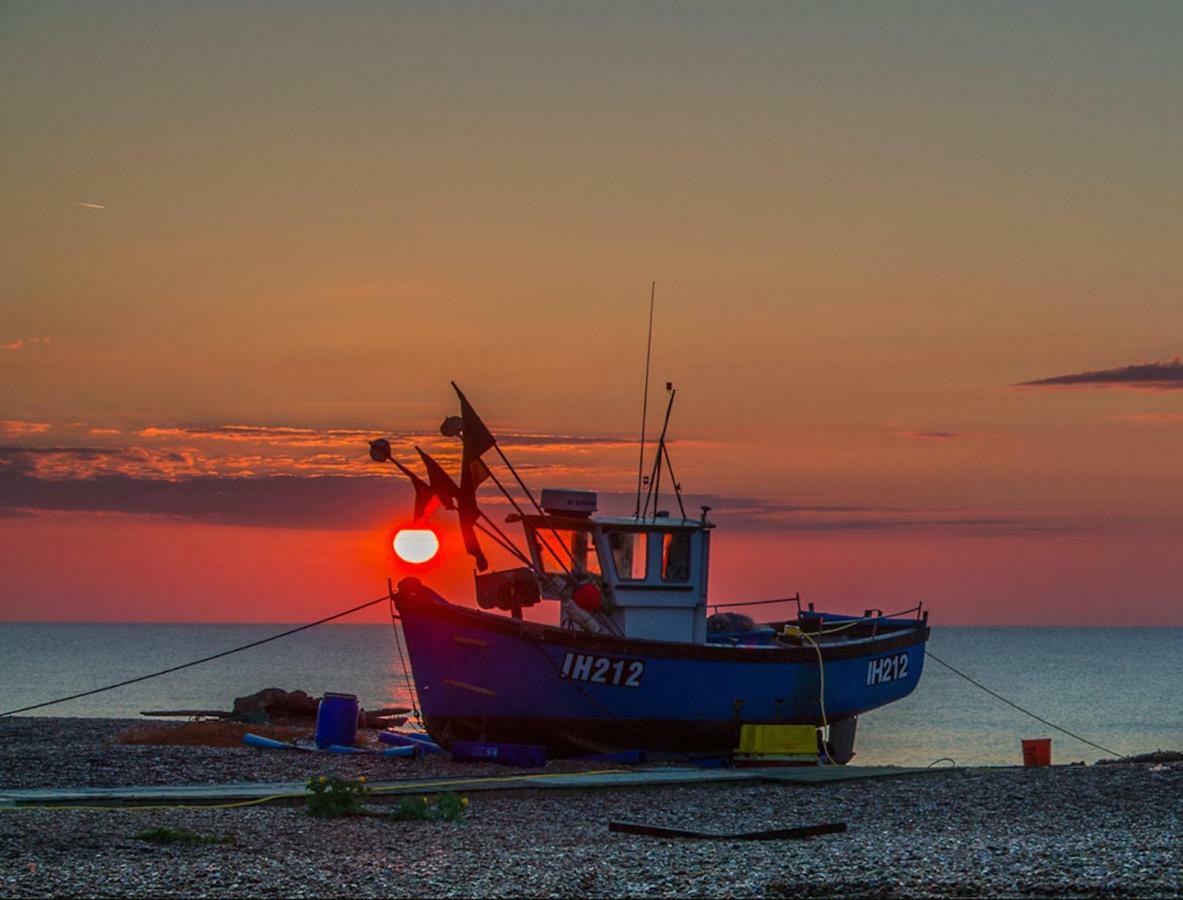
247,793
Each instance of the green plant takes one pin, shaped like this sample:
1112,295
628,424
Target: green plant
179,836
445,808
330,797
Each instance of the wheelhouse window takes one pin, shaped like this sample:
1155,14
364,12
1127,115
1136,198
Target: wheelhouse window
630,554
580,554
675,556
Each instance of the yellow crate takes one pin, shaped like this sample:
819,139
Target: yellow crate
778,739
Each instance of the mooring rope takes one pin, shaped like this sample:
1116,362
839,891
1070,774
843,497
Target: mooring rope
1028,712
198,662
398,645
825,722
821,693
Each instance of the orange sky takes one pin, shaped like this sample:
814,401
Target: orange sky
240,240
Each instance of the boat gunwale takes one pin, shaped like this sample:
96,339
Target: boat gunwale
426,602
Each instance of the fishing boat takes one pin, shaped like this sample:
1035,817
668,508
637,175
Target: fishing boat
640,659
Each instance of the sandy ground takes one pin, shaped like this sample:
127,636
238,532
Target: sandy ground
1065,831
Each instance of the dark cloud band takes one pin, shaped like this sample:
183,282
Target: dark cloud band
274,501
1162,376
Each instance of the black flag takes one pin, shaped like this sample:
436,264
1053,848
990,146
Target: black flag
426,500
477,440
442,484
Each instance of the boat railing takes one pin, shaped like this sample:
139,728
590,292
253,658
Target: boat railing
875,616
829,623
796,598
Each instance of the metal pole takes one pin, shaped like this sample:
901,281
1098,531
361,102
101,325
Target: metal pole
645,401
519,511
674,480
502,541
655,478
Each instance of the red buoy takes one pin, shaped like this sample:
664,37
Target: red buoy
588,596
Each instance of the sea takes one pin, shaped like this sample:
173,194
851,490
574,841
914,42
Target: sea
1116,687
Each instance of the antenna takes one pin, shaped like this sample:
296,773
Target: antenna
654,490
645,401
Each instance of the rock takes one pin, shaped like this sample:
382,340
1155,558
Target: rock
275,705
1158,756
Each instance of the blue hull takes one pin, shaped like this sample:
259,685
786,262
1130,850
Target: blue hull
481,676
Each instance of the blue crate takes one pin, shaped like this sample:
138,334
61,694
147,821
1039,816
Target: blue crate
524,755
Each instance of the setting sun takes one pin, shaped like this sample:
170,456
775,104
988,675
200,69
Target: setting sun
416,545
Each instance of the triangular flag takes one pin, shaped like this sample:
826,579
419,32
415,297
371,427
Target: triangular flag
442,484
426,501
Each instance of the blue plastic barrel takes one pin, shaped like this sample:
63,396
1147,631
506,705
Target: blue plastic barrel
336,720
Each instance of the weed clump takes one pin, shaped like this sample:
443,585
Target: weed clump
445,808
330,797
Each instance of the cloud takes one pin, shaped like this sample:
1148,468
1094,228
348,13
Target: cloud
275,501
91,205
1150,418
1151,376
554,442
788,517
323,478
770,515
279,434
359,502
177,452
20,428
19,343
963,526
934,434
337,437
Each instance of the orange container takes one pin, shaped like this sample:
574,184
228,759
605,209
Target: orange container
1037,752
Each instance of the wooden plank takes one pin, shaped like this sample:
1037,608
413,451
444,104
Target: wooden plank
775,834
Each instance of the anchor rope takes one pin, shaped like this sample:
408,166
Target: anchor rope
398,643
821,668
198,662
1028,712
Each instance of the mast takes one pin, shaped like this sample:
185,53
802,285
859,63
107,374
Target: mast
645,401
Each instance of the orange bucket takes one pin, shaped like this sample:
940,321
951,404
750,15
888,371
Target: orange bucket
1037,752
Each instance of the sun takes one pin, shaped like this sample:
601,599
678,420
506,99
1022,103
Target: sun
416,545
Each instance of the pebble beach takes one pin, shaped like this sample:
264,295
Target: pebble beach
1064,831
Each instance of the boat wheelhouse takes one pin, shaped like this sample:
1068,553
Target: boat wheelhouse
651,572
